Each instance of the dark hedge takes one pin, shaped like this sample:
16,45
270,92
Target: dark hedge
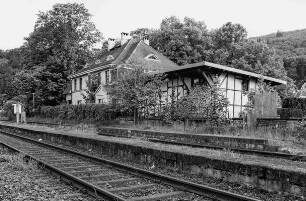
91,112
294,103
289,113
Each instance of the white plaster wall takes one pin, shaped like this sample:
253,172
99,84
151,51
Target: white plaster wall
102,74
84,80
77,93
164,87
73,85
252,84
76,96
68,97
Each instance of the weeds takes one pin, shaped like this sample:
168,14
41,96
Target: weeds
18,162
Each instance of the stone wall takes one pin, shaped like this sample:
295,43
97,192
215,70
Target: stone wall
211,140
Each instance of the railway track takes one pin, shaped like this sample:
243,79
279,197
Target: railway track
42,181
239,150
112,180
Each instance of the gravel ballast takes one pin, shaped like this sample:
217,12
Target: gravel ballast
22,182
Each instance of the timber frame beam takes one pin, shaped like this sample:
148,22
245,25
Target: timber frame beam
209,80
183,81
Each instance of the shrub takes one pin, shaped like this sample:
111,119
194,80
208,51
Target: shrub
8,110
288,113
91,112
294,103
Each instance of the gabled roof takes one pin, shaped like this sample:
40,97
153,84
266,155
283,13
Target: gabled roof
133,49
208,65
115,52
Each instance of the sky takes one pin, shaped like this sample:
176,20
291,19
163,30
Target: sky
111,17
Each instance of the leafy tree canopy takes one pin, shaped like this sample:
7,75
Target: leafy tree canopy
181,41
291,47
6,77
59,45
136,90
63,35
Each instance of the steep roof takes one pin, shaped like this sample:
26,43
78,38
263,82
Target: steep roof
102,60
133,49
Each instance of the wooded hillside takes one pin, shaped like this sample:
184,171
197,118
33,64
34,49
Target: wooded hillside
291,46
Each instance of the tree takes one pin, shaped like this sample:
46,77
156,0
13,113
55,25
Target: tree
63,35
228,34
18,57
279,33
232,48
141,32
136,90
60,45
6,77
182,42
223,40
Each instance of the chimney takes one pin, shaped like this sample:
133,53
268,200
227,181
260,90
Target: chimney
111,44
124,37
146,39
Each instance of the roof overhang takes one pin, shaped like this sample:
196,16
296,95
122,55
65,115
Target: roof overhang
208,65
90,71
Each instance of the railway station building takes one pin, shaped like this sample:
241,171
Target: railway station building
182,78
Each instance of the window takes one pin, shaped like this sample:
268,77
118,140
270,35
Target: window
235,85
114,74
152,57
195,81
79,102
100,101
75,84
80,84
107,77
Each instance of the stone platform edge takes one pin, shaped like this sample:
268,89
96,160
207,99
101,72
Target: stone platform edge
259,176
203,139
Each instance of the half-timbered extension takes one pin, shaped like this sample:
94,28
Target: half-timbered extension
232,82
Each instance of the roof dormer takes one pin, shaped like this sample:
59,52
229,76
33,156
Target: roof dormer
152,57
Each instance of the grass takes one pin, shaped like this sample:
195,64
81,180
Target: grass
17,162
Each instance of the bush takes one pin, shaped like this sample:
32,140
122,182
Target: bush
8,110
90,112
294,103
289,113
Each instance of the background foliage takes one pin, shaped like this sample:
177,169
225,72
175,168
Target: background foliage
62,40
59,45
291,47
